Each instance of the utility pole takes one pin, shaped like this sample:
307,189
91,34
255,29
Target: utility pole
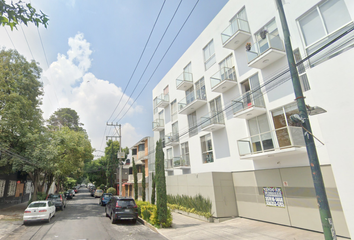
120,164
325,213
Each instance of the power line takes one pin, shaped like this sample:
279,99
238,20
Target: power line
150,59
160,60
141,55
10,38
27,42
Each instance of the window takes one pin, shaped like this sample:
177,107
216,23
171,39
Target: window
174,115
227,69
2,187
187,73
261,138
216,112
321,25
209,55
141,147
175,131
169,153
165,90
207,149
161,115
240,21
251,93
270,39
286,134
162,137
192,123
305,85
190,95
200,89
12,188
324,19
185,153
134,151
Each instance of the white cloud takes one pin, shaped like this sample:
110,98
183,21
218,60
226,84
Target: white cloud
68,82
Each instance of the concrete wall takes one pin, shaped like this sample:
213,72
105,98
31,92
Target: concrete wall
301,209
216,186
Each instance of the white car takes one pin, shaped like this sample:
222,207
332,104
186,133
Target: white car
39,211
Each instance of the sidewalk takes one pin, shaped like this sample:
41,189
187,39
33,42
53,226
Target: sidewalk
184,227
11,218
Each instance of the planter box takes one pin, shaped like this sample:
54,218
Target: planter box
193,215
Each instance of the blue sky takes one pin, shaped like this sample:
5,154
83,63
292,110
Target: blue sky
92,48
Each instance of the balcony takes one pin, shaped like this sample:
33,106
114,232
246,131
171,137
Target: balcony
184,81
265,51
191,102
169,165
212,122
172,139
181,163
281,142
235,34
158,125
163,100
249,106
223,80
140,176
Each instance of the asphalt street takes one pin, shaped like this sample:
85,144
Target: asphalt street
83,218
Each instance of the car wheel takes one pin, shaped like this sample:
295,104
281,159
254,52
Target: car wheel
48,219
62,208
113,221
134,221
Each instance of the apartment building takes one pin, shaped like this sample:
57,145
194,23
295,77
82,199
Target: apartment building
223,111
143,157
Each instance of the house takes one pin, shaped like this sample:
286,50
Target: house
224,112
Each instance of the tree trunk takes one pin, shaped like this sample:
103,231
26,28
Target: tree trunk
35,178
43,183
51,178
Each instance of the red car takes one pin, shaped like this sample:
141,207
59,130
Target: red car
75,189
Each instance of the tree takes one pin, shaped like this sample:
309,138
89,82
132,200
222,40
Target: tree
153,190
135,175
161,205
12,14
65,117
143,186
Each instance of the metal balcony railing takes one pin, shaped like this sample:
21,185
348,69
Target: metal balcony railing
168,164
185,77
158,123
212,118
190,98
247,101
223,75
171,138
181,161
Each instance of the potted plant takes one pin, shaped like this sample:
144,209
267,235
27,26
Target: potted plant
248,46
263,34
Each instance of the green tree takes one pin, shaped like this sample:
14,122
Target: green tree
65,117
161,204
153,189
135,175
143,185
15,13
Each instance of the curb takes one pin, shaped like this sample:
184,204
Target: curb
142,221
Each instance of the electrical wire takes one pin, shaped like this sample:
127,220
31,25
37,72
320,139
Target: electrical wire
163,35
141,55
160,60
10,38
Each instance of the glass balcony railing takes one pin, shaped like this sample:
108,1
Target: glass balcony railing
158,123
236,25
248,100
174,116
269,42
171,138
285,137
168,164
184,77
181,161
212,118
162,100
191,97
222,75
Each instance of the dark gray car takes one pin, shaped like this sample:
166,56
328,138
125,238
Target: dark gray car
121,208
59,200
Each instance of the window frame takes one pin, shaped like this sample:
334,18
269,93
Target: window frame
206,61
206,147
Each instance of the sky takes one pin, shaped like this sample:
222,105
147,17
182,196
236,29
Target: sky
90,49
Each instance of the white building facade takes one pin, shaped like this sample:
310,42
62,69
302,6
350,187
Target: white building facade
223,111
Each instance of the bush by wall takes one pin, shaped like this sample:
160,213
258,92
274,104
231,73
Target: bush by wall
148,212
197,204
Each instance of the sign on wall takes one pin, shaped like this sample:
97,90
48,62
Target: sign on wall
273,196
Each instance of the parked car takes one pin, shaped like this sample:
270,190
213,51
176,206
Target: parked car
59,200
39,211
121,208
68,195
98,193
73,192
75,189
105,198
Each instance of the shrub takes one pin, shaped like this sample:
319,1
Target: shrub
101,186
197,204
148,212
112,190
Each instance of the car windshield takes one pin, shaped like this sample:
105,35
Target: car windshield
54,196
37,204
107,195
99,191
126,202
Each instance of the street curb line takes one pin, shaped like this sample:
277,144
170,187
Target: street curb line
142,221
